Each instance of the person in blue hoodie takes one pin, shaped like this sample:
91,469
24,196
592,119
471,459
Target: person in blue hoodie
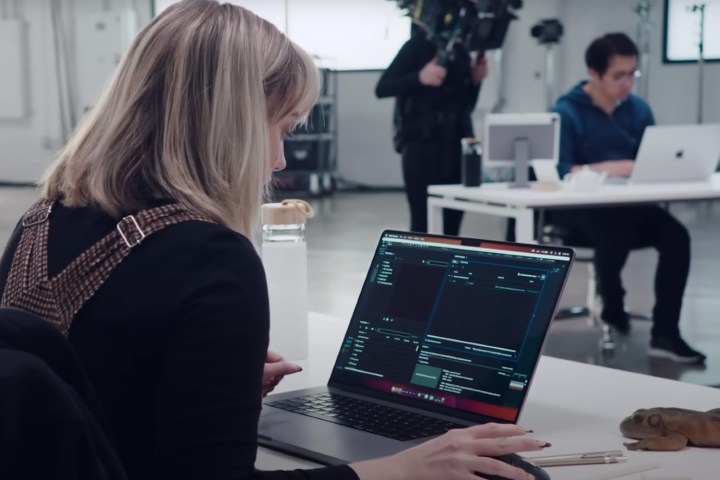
601,128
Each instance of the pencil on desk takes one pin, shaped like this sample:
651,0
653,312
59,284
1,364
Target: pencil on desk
586,458
624,472
575,460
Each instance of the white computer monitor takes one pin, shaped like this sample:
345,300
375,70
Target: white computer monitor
514,139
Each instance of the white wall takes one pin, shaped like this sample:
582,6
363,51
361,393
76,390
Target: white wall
355,35
365,152
524,62
28,144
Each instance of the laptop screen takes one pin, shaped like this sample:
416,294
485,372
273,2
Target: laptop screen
452,323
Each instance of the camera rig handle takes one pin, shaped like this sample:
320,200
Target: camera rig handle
446,53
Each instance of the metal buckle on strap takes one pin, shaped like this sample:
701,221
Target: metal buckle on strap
37,216
130,222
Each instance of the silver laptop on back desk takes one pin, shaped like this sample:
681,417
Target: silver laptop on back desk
447,332
677,153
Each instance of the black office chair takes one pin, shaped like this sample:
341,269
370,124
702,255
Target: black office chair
51,420
556,234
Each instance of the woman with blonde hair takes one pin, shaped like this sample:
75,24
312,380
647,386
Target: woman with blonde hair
140,252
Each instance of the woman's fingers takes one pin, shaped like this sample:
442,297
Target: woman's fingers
495,430
275,371
495,440
280,369
495,447
466,454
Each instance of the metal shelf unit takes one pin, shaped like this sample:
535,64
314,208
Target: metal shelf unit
311,153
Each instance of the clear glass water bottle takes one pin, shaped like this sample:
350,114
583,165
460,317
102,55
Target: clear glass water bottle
284,256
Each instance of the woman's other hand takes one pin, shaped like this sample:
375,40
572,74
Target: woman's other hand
275,370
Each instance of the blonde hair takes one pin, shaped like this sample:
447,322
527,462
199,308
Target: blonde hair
187,117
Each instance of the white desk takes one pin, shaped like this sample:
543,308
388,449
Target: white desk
574,406
500,200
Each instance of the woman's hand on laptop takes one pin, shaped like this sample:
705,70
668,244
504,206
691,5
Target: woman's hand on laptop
275,370
459,454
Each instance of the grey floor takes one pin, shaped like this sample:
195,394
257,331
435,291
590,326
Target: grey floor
342,238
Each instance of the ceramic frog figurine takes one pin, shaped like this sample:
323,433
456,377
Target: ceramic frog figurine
671,429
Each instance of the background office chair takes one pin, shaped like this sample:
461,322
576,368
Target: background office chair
555,234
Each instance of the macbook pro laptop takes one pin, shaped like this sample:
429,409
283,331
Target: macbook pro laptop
677,153
447,332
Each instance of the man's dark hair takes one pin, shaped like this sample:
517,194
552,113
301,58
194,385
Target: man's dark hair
601,50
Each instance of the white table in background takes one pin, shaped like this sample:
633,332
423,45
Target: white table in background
499,199
576,407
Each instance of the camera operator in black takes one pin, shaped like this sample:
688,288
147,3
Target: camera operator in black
434,104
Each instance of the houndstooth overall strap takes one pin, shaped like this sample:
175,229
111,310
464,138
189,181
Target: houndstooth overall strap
58,299
30,260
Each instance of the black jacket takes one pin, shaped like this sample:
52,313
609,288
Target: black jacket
430,113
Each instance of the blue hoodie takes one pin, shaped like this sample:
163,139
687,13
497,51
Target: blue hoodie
589,135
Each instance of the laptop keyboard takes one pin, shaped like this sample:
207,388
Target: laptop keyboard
367,416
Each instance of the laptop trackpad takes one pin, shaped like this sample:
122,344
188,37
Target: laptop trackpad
312,435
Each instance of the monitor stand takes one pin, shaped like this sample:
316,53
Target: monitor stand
522,163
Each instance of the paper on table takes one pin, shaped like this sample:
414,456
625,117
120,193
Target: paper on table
624,472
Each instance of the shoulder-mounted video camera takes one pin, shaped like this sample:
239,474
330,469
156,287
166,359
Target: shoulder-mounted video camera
479,25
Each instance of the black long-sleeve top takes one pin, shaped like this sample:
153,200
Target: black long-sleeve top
458,94
174,345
